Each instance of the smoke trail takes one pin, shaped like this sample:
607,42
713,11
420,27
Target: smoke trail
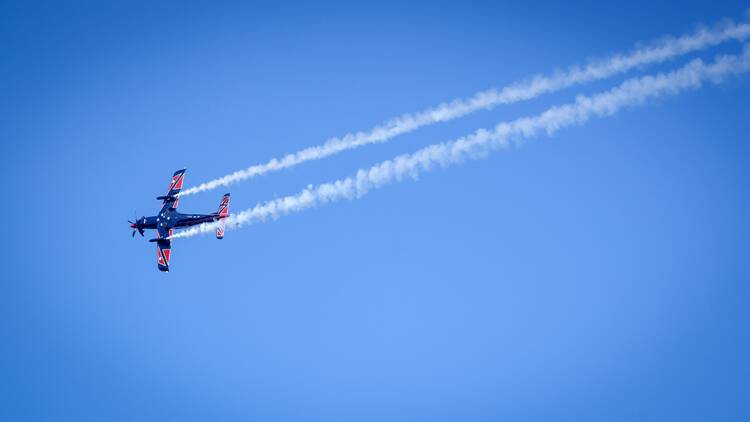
666,49
631,92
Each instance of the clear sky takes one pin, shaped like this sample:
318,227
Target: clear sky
601,274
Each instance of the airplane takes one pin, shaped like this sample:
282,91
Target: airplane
169,219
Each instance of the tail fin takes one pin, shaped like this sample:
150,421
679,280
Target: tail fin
223,213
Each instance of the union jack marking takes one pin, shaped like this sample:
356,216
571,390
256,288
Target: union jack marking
163,256
176,182
224,207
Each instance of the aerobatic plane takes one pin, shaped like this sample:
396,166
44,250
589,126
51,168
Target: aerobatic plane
169,219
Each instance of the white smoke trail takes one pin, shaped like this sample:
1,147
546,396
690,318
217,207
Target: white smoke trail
664,50
480,143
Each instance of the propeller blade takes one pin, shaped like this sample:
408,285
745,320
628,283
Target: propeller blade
136,227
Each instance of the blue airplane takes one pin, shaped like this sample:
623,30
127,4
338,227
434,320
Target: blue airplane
169,219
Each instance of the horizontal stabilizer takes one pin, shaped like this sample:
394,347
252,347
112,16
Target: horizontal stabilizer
223,213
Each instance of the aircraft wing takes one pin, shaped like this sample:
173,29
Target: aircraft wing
163,248
175,186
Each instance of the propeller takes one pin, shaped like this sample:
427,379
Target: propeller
135,227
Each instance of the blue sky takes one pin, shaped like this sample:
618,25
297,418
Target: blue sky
600,274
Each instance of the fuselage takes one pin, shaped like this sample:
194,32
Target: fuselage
170,219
